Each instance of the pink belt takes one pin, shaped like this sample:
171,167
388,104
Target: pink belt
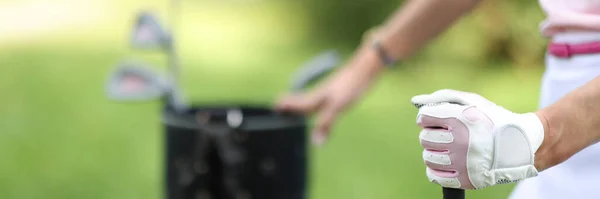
567,50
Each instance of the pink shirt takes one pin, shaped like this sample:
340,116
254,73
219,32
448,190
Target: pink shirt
564,15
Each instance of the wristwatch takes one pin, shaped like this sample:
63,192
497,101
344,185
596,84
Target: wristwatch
371,36
382,53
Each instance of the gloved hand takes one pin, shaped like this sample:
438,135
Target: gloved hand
472,143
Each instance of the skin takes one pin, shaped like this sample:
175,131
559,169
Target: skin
570,125
409,29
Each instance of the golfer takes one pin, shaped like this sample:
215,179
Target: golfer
470,142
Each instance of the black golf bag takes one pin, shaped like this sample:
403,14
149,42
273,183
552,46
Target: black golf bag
230,152
219,152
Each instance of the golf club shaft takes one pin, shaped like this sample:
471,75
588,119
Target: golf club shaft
451,193
172,56
173,64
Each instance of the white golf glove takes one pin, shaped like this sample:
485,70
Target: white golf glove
472,143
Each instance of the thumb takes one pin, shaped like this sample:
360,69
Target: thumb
445,95
299,103
325,119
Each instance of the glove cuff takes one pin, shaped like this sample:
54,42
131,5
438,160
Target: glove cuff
533,128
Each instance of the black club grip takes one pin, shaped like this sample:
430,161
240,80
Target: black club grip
451,193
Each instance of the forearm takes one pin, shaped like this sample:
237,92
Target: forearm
570,125
409,29
418,22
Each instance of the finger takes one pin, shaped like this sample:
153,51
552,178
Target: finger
438,160
325,119
432,116
445,95
302,103
438,136
435,139
443,178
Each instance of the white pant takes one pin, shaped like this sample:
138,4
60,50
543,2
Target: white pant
579,176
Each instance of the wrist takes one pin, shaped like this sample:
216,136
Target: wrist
544,156
367,61
376,44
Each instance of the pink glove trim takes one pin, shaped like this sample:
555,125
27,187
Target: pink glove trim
457,150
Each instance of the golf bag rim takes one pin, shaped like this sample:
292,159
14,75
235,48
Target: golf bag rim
249,117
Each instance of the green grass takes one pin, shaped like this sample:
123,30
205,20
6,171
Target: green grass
61,138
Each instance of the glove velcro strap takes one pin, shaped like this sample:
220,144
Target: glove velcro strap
507,176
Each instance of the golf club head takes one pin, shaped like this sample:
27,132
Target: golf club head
136,82
149,34
315,69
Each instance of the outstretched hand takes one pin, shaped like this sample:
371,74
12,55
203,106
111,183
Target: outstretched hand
333,96
326,101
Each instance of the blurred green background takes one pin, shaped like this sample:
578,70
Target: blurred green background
61,138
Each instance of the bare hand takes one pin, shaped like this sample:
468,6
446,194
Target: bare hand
332,97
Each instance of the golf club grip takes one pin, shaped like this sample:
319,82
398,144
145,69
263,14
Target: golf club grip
312,76
451,193
315,69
